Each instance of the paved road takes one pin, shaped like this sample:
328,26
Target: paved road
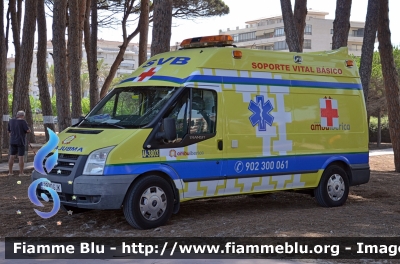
141,261
378,152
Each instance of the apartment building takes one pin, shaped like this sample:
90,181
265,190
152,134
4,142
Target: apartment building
268,34
106,50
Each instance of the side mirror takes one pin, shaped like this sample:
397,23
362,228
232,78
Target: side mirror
169,133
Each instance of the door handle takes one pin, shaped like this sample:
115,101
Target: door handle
220,144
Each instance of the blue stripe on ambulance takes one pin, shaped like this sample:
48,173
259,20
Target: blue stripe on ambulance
254,81
183,169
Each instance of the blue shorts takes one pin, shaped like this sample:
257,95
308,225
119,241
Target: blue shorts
14,149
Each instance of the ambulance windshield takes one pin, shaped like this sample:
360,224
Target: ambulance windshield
131,107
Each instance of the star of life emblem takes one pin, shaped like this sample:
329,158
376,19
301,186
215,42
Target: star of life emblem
261,113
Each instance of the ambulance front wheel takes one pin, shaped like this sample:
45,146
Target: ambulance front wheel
333,187
149,203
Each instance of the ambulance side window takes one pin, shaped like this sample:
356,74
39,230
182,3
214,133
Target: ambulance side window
203,113
180,113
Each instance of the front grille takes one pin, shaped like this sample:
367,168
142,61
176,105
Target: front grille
59,172
66,163
68,156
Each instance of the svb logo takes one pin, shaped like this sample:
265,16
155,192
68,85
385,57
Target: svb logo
38,165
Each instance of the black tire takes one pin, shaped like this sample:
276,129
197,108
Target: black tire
157,210
333,188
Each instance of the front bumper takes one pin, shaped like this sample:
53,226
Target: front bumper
90,192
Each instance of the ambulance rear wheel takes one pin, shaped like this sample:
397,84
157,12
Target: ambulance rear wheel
333,187
149,203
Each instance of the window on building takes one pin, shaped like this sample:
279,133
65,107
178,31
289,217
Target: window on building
279,20
280,45
331,31
247,36
356,47
358,32
266,35
235,38
308,30
279,32
307,44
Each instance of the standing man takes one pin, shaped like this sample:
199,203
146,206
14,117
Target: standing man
17,128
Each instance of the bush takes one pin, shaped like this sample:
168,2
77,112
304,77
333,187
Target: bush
373,130
85,106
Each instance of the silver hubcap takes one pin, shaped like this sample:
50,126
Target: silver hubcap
336,187
153,203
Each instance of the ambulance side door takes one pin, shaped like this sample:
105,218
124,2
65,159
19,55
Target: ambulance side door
197,154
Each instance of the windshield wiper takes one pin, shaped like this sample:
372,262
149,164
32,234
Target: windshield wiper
95,124
111,124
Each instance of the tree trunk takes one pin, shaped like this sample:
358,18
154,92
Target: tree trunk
300,14
367,51
292,38
144,31
16,40
5,106
379,136
162,22
44,94
7,27
94,89
82,18
60,69
391,79
21,99
3,79
19,13
341,24
86,32
75,60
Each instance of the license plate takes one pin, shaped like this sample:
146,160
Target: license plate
55,186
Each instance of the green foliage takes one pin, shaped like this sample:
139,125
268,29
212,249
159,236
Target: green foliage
54,105
376,95
10,80
373,129
118,79
35,104
85,105
189,9
10,100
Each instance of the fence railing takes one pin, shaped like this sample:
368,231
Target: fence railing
39,127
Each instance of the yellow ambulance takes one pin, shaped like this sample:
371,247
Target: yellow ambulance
212,120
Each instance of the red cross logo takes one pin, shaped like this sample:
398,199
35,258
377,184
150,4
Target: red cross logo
329,113
147,73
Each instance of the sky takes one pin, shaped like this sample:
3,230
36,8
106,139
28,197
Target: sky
242,11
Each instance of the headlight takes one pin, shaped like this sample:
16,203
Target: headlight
96,161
